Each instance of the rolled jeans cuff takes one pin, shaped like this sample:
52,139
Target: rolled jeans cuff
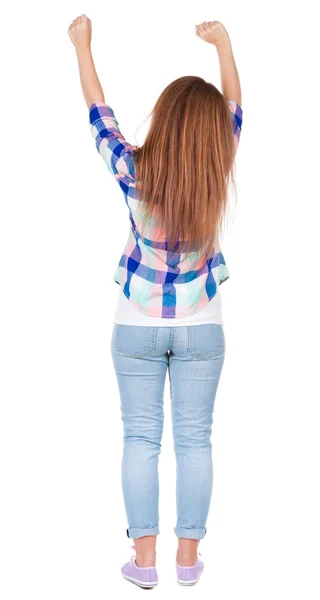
135,532
190,534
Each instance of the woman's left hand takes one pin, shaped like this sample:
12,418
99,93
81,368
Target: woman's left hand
80,32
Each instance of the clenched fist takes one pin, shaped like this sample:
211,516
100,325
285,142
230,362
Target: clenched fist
80,32
212,32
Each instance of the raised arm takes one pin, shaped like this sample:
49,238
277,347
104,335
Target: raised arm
215,33
80,34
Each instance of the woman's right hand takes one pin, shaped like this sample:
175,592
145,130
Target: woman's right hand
212,32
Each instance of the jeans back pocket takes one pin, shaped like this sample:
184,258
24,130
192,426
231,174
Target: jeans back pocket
135,340
206,341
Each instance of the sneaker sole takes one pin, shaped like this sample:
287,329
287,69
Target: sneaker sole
142,584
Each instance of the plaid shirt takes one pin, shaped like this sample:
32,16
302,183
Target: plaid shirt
155,281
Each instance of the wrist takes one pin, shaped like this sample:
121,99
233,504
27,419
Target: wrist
223,45
83,50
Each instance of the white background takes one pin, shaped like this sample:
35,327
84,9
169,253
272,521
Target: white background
63,226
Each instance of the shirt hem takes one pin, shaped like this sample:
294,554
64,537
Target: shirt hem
181,316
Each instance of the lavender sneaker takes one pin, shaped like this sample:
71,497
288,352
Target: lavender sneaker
189,575
145,577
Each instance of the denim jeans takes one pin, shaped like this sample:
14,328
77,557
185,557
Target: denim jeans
193,356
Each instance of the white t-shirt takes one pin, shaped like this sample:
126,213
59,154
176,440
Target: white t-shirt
127,314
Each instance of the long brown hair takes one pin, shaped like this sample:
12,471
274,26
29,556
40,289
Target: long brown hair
185,164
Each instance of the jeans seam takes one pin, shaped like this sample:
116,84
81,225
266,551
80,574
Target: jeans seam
171,337
207,356
154,338
190,330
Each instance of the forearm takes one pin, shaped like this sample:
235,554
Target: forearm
91,87
230,82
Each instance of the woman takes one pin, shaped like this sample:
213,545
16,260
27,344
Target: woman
168,316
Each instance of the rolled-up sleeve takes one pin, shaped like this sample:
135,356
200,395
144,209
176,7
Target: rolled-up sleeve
110,143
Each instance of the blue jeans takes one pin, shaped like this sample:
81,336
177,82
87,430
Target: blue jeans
194,357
